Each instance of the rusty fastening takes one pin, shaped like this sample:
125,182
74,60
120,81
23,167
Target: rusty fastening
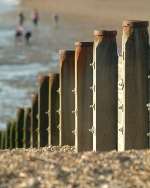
74,132
92,130
59,127
121,84
93,88
120,107
37,116
92,65
92,106
58,91
75,112
58,111
148,106
148,134
121,130
74,90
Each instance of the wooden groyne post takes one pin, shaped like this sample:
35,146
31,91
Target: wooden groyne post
19,127
13,134
42,110
105,64
27,128
133,87
67,98
53,110
83,96
34,121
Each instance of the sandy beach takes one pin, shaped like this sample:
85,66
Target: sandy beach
56,167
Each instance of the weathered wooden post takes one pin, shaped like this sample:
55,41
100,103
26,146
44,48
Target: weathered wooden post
43,110
53,112
13,134
34,121
133,87
19,127
0,138
5,144
83,96
27,128
7,141
67,98
105,71
3,139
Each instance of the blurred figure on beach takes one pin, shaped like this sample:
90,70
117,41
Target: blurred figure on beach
27,36
56,19
35,17
19,33
21,18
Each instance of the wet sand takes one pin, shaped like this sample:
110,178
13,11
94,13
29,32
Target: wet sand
95,14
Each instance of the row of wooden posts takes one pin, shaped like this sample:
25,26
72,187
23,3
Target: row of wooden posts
99,100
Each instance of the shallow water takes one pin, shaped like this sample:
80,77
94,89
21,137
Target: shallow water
8,5
20,64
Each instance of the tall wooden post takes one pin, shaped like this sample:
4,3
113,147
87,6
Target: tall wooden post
19,127
34,121
27,128
133,87
83,96
67,98
3,139
105,64
53,110
13,134
43,111
8,128
0,139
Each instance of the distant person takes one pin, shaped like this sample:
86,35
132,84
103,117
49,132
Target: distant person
21,18
56,18
19,32
35,17
27,36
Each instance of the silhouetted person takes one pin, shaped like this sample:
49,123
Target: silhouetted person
21,18
27,36
56,18
35,17
19,32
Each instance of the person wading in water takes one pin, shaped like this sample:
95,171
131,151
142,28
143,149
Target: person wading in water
35,17
19,32
21,18
27,36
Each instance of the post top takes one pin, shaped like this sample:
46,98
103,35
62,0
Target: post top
42,78
52,75
20,109
135,23
27,109
34,96
66,52
106,33
83,44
